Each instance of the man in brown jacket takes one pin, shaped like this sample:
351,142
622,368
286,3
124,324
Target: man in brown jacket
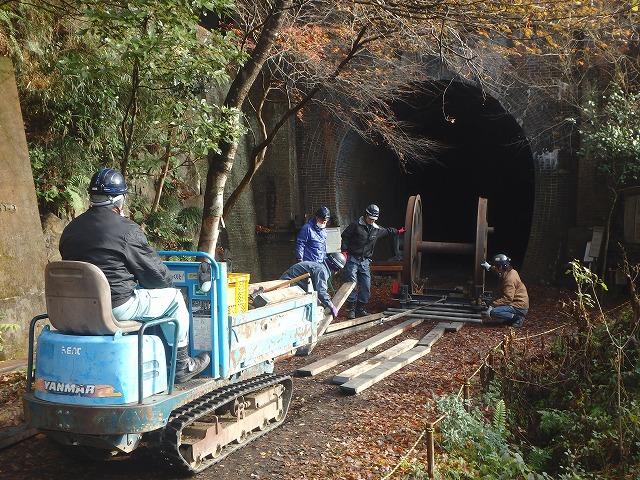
513,304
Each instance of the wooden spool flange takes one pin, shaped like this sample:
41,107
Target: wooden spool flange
414,246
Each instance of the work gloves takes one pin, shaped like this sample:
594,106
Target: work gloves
486,265
334,311
401,230
487,312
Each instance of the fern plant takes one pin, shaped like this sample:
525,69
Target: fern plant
500,417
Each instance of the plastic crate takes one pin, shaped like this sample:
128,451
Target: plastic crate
237,292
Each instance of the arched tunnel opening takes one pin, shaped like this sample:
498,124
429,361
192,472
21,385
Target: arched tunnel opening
483,152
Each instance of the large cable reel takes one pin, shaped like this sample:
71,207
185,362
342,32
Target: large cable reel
414,246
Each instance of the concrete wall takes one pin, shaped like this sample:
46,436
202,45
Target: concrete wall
22,245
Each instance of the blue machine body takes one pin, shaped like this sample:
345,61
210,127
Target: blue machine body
240,346
97,370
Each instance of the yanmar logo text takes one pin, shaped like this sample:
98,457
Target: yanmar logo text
76,389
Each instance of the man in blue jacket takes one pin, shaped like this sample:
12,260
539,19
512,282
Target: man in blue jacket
358,241
311,244
319,274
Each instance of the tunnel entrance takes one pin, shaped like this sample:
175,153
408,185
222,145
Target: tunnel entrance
483,153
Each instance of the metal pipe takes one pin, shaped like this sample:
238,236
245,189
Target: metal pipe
172,367
441,313
447,247
32,329
441,319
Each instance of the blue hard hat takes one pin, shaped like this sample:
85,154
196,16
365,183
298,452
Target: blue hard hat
372,211
323,212
107,181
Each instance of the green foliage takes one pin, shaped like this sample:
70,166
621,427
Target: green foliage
611,134
122,85
575,407
5,328
477,448
500,417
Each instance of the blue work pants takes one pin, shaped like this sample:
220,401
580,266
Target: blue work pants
357,270
507,313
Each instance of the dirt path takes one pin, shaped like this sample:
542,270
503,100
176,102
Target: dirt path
326,434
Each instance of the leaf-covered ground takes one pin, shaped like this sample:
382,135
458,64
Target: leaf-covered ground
327,434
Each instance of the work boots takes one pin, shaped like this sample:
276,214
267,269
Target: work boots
187,367
350,307
360,311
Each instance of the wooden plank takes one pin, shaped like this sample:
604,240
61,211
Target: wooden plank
12,435
338,300
350,323
373,376
356,370
254,287
451,326
432,337
364,346
13,365
267,298
347,331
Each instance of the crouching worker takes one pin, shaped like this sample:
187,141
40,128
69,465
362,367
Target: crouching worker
319,274
513,304
103,237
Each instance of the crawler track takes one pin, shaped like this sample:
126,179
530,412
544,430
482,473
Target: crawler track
210,403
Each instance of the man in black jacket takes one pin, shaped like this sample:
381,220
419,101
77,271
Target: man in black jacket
103,237
358,241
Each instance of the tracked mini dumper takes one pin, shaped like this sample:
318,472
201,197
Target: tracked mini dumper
105,387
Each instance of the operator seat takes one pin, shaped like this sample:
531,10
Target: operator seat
79,300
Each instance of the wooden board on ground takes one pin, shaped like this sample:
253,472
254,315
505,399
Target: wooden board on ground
338,300
350,323
360,368
348,331
373,376
432,337
351,352
12,365
451,326
267,298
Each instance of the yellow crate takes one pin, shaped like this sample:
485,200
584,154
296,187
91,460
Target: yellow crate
237,292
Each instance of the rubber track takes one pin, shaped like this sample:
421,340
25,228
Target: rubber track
201,406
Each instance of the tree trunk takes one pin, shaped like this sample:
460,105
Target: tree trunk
259,152
160,184
220,165
607,234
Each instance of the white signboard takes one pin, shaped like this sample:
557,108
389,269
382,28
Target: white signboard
334,240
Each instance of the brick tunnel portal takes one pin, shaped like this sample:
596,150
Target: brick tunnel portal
482,152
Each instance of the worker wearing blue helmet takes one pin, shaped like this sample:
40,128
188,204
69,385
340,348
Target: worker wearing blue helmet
103,237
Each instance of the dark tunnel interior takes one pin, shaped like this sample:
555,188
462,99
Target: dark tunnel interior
482,152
